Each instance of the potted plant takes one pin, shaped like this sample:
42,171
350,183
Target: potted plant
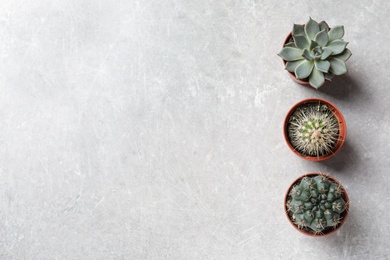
316,204
313,53
314,129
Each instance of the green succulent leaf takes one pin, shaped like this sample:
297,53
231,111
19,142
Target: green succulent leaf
290,44
291,65
336,32
322,65
311,29
326,52
301,42
344,56
324,26
316,78
304,69
313,44
322,38
337,46
306,54
337,66
328,76
298,29
290,54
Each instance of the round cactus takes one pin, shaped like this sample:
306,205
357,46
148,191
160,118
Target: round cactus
316,52
315,204
313,129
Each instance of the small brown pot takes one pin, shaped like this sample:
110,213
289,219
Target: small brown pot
289,38
328,230
341,122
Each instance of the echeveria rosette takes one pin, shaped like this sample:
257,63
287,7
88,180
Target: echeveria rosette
316,203
316,52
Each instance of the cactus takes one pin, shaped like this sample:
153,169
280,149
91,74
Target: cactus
313,129
316,52
315,204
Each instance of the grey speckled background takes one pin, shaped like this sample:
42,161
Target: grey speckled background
153,129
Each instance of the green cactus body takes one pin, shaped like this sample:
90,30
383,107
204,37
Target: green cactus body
313,130
315,204
316,52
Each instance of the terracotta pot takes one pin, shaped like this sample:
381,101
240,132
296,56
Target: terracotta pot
343,215
341,123
289,38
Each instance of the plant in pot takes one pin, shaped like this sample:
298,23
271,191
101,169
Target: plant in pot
313,53
314,129
316,204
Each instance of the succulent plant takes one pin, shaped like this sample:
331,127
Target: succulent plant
316,204
316,52
313,129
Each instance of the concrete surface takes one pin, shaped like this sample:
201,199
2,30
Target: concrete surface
153,130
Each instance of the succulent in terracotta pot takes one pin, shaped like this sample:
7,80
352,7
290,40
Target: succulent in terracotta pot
314,129
316,204
313,53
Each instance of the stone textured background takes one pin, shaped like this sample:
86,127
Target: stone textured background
153,129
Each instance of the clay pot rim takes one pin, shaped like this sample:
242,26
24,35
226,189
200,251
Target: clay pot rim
344,195
341,122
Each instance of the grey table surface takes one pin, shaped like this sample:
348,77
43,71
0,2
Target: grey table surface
153,130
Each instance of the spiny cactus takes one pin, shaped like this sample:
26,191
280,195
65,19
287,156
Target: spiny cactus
316,52
313,129
315,204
